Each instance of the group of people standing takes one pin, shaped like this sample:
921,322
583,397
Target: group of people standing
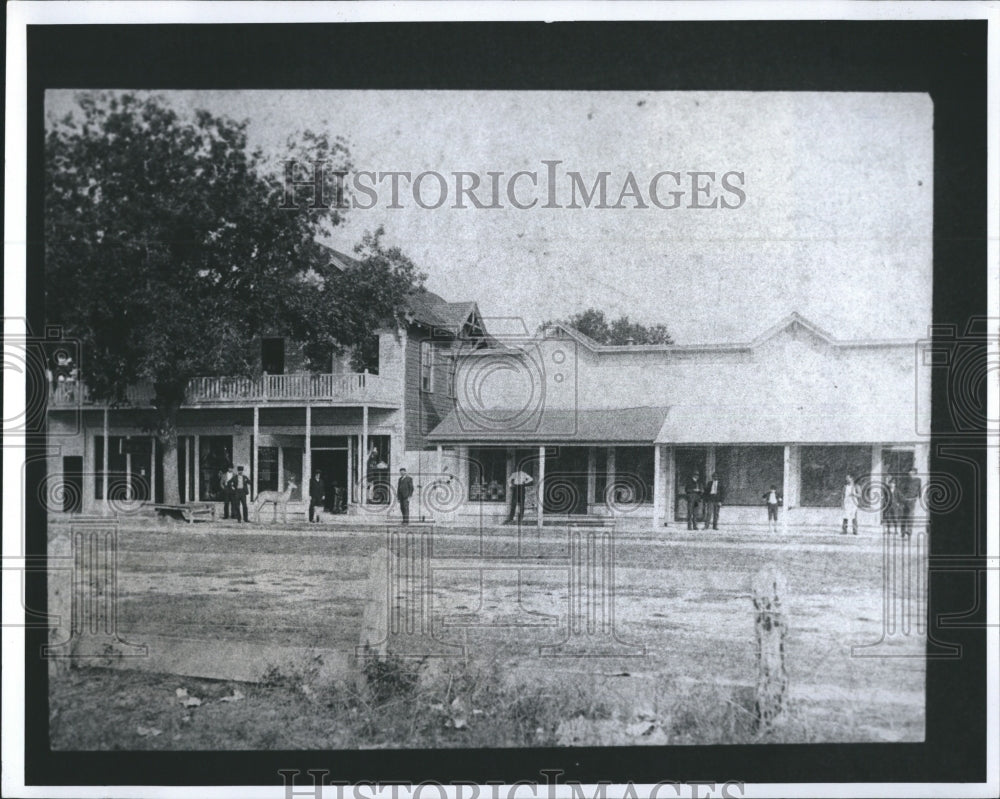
899,502
235,490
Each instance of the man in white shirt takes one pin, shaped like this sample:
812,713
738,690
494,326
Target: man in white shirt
518,482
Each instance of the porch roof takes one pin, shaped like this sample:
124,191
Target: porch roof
760,423
617,425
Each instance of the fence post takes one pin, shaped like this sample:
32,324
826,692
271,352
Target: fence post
771,626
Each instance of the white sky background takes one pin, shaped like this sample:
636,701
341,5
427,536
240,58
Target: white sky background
837,224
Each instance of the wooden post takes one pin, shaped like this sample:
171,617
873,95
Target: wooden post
591,479
771,627
104,466
254,460
540,490
657,487
307,468
363,456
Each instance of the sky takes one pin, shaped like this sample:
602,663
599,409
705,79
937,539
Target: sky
836,223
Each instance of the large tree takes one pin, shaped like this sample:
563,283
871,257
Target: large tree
170,245
593,323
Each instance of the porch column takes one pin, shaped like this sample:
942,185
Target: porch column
611,466
440,459
657,487
591,478
128,468
104,465
709,462
152,469
792,475
922,460
877,480
281,468
670,478
196,468
256,446
351,479
786,481
363,459
540,491
307,457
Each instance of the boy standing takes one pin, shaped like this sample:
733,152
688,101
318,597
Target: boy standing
773,499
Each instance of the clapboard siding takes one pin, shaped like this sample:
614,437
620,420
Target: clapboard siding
425,410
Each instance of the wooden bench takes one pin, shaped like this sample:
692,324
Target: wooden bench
188,512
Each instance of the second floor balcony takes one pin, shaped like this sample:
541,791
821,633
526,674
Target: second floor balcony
359,388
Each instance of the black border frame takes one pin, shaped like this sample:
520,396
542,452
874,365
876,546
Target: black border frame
946,59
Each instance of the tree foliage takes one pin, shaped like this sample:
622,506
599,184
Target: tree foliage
167,251
593,323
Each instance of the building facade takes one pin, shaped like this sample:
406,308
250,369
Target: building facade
603,431
618,430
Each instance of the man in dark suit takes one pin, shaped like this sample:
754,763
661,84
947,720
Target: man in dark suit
404,490
240,486
909,489
713,497
317,494
693,491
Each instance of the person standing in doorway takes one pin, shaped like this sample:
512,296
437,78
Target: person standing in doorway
713,501
404,490
227,491
317,495
240,485
772,498
693,490
518,483
890,506
910,489
851,495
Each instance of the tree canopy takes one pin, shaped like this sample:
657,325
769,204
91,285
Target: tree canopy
167,250
593,323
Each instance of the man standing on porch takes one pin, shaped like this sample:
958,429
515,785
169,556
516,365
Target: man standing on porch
404,490
693,491
317,494
518,482
713,501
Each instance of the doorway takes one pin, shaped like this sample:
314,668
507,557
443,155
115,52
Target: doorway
332,464
72,467
565,489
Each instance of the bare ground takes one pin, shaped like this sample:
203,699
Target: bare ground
680,667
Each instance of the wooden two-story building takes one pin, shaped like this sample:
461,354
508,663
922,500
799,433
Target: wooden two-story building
282,426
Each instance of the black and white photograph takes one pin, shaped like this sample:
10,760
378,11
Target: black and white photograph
490,423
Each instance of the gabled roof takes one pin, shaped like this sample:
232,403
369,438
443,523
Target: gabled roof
340,260
791,321
432,310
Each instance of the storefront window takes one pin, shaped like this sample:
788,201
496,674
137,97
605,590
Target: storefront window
747,472
267,469
487,474
824,469
634,470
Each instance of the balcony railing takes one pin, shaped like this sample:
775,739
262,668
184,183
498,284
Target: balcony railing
352,389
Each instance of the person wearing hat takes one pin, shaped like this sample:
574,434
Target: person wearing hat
404,490
693,490
239,488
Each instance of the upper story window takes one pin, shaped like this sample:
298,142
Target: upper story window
426,366
272,355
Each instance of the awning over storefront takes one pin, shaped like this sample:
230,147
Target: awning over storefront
513,426
817,423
